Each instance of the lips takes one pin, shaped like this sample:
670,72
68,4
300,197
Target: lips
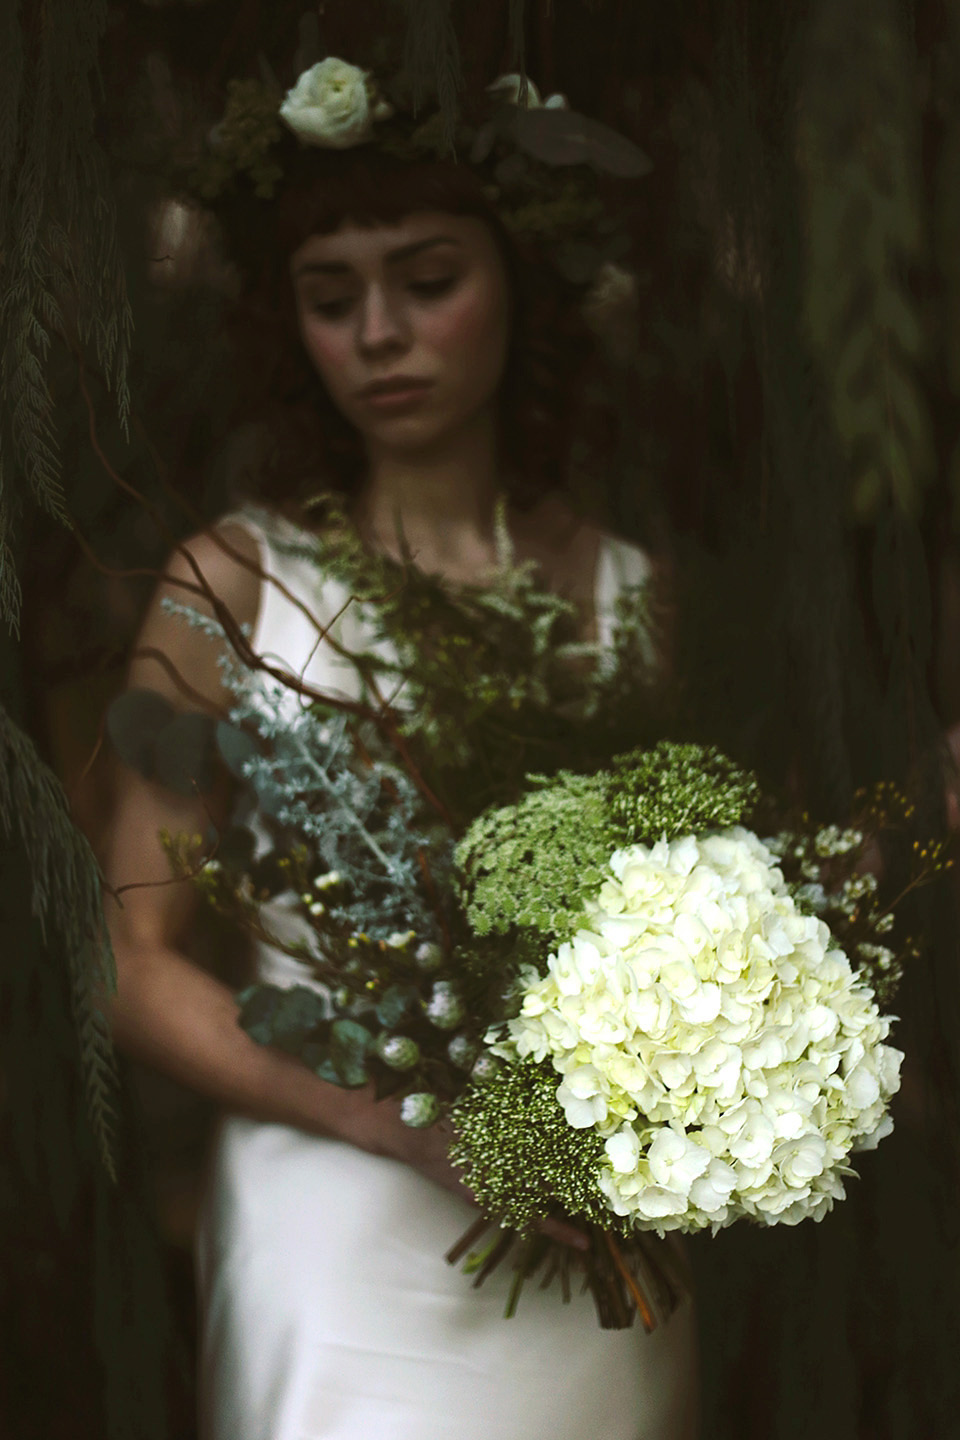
399,385
394,397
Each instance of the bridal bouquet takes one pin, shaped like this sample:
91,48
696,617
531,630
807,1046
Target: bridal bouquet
712,1050
640,1003
624,1001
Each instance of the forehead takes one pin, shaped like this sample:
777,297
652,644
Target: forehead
361,246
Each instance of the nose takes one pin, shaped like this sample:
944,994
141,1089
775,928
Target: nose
382,327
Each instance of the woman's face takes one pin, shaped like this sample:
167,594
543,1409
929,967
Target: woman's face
407,324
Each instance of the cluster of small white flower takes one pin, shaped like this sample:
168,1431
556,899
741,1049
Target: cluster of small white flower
716,1037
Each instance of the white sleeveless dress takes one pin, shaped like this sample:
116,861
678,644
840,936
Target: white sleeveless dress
328,1310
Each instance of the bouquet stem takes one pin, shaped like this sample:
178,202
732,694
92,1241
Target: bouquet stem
629,1278
639,1299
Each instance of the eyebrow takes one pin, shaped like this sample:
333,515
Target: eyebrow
403,252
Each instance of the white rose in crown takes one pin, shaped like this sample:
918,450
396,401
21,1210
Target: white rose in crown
508,88
334,105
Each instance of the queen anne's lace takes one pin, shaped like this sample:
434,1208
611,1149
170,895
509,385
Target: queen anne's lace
714,1035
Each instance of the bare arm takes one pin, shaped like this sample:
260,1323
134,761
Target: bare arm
169,1012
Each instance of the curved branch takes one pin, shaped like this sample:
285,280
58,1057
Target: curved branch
382,716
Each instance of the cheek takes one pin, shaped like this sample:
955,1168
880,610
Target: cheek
472,329
329,350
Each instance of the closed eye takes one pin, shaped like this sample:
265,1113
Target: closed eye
434,287
429,288
333,309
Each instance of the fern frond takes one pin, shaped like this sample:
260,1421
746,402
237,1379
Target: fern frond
11,92
58,238
431,57
858,152
66,900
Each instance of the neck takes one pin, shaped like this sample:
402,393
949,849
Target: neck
439,500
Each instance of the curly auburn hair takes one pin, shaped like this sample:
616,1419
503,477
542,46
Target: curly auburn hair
309,444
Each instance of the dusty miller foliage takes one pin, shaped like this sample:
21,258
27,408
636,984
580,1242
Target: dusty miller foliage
363,818
62,280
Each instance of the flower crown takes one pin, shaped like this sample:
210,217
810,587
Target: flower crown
539,161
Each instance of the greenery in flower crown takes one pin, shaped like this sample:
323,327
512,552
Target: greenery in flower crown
538,162
520,1156
243,143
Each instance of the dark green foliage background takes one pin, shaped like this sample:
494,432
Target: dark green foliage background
792,442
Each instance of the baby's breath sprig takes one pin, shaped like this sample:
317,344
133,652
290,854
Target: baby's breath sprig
828,867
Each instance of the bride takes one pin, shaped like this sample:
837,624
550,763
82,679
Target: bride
410,337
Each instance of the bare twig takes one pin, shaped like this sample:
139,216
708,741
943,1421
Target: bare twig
383,716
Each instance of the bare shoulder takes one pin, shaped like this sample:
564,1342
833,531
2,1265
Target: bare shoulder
225,559
217,569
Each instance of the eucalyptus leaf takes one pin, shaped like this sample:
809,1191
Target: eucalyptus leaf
396,1004
349,1043
134,721
272,1015
257,1005
298,1014
483,143
236,747
315,1053
326,1070
184,754
564,137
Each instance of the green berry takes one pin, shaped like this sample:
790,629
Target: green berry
444,1009
419,1109
462,1052
429,957
397,1051
486,1067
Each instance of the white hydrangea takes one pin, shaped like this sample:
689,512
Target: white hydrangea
714,1034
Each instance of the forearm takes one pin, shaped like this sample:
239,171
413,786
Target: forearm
175,1017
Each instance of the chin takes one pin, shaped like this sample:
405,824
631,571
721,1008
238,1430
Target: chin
409,433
